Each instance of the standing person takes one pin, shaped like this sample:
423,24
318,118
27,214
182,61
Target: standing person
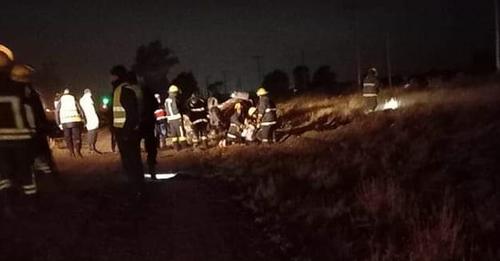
236,126
17,138
161,122
198,116
371,85
175,119
147,126
70,119
266,117
21,76
126,120
92,120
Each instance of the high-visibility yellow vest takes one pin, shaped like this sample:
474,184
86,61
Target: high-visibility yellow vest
119,113
20,121
68,111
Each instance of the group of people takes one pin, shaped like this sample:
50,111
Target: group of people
72,116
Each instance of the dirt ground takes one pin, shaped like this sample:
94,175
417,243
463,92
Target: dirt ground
90,216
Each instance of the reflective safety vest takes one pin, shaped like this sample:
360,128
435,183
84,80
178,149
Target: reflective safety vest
172,110
160,114
68,111
18,121
119,113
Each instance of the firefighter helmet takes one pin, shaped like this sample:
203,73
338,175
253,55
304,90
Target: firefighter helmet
373,71
173,89
22,73
252,111
7,52
261,91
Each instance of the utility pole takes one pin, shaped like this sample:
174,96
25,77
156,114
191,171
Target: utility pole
259,67
388,58
358,51
497,37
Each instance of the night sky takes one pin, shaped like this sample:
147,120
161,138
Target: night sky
86,38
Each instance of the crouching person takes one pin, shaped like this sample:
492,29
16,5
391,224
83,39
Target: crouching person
236,126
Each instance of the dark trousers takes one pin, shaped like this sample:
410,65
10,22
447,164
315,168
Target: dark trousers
73,137
177,131
16,169
200,132
129,144
266,133
92,139
151,144
370,103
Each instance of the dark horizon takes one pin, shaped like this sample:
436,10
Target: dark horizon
86,39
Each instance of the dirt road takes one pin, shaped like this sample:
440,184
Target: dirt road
94,218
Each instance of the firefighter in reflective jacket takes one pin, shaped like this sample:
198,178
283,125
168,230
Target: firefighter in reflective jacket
127,104
17,138
371,86
236,125
175,119
198,116
266,117
70,119
161,122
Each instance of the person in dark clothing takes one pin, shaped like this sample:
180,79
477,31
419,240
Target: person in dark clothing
70,118
147,125
198,116
266,118
18,132
371,86
126,124
236,126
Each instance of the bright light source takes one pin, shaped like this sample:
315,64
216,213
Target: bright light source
392,104
104,106
161,175
105,100
47,110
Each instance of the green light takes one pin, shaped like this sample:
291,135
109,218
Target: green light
105,100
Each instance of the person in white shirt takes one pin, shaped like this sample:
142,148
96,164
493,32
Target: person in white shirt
92,124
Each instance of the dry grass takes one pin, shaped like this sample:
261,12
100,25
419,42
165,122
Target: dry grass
418,183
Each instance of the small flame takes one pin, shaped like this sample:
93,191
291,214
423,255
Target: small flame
392,104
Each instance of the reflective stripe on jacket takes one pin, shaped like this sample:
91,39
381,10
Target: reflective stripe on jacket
119,113
68,111
18,119
172,109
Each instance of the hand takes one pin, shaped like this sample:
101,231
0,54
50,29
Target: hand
60,127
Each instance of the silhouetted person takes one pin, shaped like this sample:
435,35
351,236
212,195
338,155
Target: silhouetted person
371,86
198,116
266,117
126,122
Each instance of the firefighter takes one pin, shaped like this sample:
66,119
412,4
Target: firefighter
266,117
198,116
175,119
161,122
18,131
250,125
371,85
92,120
236,126
21,75
126,120
70,119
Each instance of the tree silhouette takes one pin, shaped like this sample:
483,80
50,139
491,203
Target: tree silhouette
48,82
214,90
301,78
324,78
187,83
152,64
277,82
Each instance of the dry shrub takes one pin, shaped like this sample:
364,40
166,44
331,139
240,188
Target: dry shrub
381,198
